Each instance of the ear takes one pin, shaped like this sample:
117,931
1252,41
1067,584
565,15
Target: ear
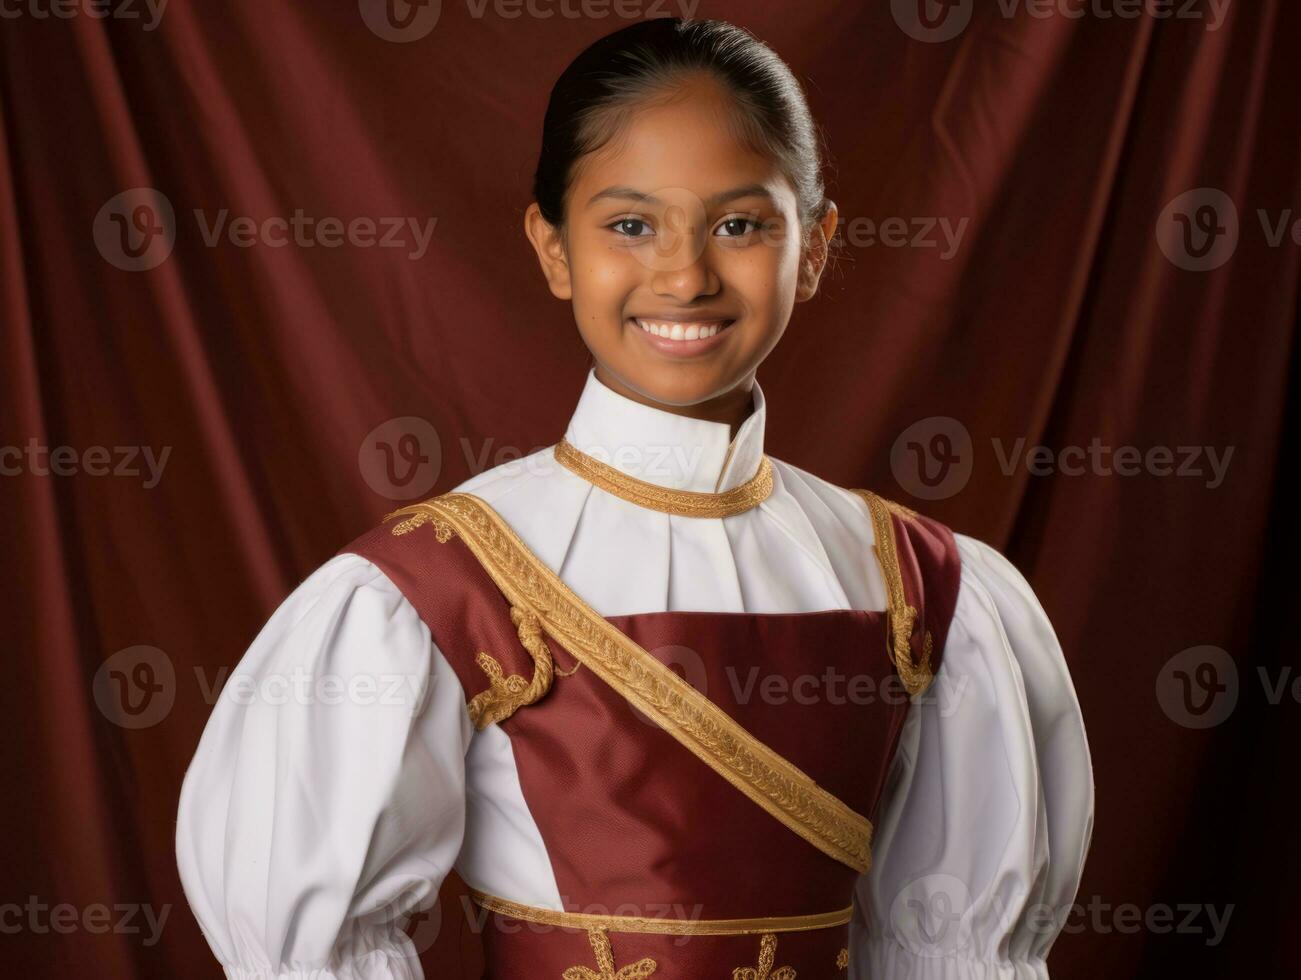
549,244
813,258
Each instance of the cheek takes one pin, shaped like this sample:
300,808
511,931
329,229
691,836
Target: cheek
605,274
763,275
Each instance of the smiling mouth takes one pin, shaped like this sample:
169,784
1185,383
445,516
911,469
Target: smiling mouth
682,331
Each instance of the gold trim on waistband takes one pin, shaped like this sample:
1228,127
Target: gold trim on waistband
667,500
662,926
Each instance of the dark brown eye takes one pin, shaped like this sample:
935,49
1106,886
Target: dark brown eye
630,227
738,226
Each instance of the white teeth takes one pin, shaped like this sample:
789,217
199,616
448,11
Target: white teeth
680,331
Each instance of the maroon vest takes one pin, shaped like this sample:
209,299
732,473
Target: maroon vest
635,824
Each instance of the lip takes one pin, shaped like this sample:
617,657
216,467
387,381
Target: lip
683,348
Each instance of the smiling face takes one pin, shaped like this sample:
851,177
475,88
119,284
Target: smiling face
682,253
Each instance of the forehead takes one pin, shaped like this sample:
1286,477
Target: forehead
688,142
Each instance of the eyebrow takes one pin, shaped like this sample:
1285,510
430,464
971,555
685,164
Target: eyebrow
722,197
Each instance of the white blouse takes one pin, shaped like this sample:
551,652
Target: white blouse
339,777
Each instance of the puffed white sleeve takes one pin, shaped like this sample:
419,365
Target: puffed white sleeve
326,800
987,814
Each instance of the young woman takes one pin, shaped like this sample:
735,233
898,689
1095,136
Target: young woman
672,707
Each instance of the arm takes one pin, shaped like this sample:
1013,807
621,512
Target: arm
988,812
326,800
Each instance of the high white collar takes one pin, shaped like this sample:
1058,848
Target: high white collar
660,447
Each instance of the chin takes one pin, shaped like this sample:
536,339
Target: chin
682,385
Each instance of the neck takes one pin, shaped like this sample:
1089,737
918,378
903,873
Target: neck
732,407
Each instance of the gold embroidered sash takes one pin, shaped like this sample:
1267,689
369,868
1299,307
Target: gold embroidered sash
771,781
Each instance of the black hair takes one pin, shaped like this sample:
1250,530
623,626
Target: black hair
649,60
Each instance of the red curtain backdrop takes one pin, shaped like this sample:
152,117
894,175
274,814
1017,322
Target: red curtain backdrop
198,409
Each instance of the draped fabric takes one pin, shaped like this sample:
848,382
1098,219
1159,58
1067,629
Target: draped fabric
262,279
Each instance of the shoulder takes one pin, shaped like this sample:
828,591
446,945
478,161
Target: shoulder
987,563
518,490
918,558
862,512
513,476
1000,590
345,579
345,615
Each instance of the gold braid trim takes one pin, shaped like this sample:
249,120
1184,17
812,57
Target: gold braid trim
505,694
901,617
667,500
662,925
767,778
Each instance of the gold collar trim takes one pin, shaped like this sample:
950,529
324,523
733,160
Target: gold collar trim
661,925
684,503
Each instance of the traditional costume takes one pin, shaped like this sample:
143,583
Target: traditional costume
676,710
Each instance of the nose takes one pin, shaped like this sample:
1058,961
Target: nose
685,271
